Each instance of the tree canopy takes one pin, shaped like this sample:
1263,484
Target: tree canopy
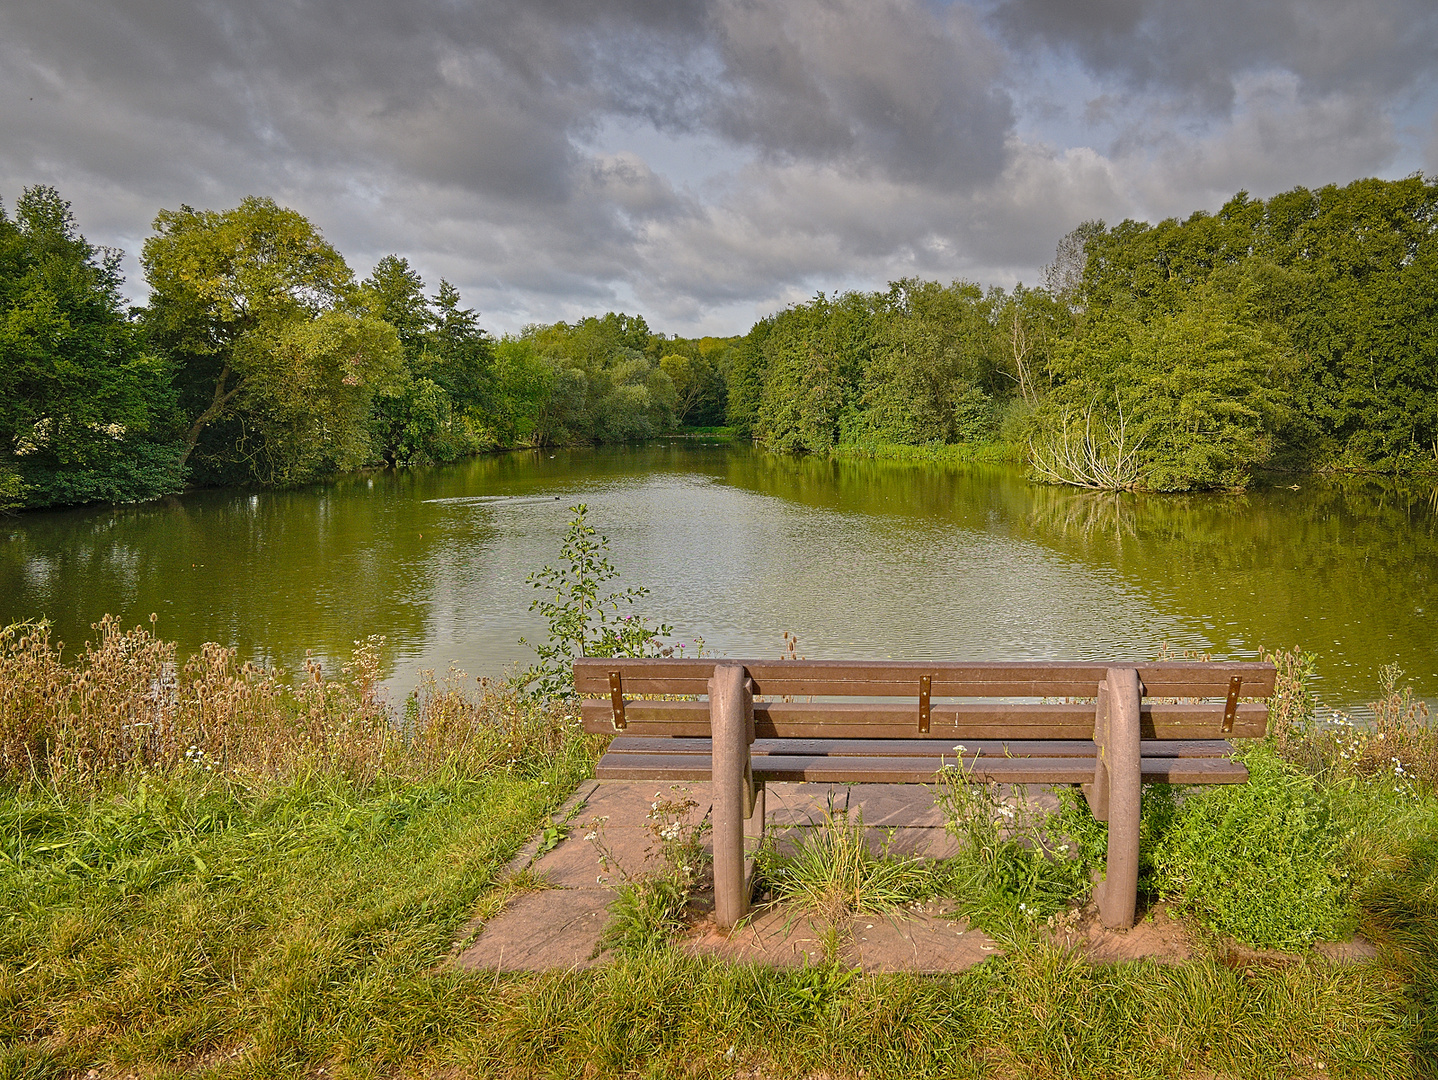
86,409
1299,331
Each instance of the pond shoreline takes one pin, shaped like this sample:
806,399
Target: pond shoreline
857,556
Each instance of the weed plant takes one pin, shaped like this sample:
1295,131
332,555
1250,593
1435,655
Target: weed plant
649,905
583,619
828,870
1399,745
1013,864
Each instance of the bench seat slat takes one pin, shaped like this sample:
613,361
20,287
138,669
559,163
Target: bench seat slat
776,719
914,770
932,748
951,678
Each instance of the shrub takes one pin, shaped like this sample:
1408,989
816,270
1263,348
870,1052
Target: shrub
1257,861
1261,862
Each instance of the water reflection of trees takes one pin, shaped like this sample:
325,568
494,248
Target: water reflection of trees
1345,566
273,573
1086,517
1354,518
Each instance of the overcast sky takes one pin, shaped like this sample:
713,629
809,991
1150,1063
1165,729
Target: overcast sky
703,162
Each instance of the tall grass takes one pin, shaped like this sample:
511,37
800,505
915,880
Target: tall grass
829,870
209,871
1399,744
126,705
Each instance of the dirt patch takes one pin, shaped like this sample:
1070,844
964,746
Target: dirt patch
1159,934
1357,950
1162,935
928,939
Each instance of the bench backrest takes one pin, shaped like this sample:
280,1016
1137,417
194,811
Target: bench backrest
925,699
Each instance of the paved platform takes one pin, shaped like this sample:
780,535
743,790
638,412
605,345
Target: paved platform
558,923
557,919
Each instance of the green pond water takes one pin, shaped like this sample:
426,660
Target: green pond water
859,559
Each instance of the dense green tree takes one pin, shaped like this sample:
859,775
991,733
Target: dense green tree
1181,401
277,358
1191,352
1347,276
698,387
439,407
930,374
815,354
523,385
744,374
86,411
918,364
607,384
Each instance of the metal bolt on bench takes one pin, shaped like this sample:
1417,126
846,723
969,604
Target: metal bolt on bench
1113,742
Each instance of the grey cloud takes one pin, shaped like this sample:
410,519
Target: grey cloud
1279,139
1199,48
848,141
449,88
888,84
495,97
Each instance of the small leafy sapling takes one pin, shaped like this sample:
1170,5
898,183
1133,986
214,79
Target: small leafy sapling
583,620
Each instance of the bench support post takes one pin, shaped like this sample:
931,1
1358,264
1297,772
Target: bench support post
731,710
1097,792
1117,790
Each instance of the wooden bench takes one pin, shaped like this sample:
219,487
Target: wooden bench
1161,722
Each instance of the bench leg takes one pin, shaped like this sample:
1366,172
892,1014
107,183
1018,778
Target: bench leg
753,835
1097,792
731,772
1118,893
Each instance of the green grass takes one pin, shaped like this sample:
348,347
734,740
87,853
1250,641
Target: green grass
292,914
192,928
174,920
946,453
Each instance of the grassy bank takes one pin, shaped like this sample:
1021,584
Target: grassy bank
184,927
948,453
269,883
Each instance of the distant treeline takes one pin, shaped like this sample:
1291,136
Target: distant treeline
1299,332
259,358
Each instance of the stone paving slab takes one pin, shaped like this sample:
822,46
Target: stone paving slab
560,927
627,803
576,863
542,930
882,805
